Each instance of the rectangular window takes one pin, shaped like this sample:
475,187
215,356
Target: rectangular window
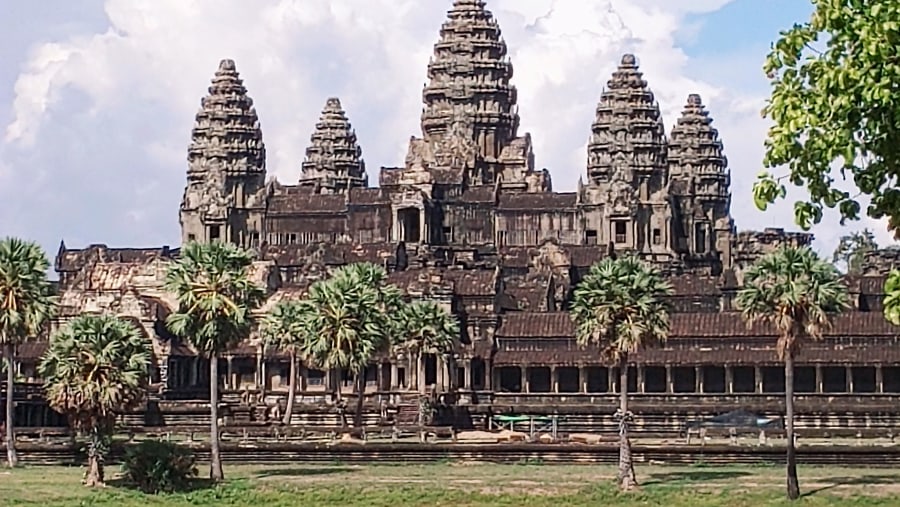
620,232
448,234
700,238
292,239
657,237
590,237
214,232
192,237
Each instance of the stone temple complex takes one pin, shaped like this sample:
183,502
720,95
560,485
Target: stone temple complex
467,220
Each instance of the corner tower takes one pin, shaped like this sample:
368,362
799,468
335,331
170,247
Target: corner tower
224,198
700,186
333,161
626,167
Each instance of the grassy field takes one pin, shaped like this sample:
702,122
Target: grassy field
465,484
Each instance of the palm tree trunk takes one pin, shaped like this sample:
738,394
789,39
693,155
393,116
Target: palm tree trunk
292,386
11,458
793,483
626,479
215,459
93,477
360,397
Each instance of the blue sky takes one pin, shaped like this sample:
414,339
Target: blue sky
97,97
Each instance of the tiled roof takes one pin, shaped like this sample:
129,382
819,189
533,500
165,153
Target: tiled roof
693,325
302,203
544,201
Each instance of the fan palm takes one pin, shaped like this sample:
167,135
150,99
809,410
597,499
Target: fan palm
354,319
26,304
620,306
95,368
285,328
795,291
216,297
425,328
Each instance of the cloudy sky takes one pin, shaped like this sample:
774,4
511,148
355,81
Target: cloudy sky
97,97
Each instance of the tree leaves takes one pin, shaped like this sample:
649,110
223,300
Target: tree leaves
26,301
620,305
794,290
95,367
215,295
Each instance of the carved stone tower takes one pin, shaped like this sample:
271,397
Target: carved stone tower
626,169
334,161
700,187
470,119
225,196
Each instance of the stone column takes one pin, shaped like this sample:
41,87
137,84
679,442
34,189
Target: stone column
641,387
849,378
467,375
164,371
524,379
729,379
489,374
303,372
670,380
195,371
554,379
698,379
879,379
423,226
758,379
820,380
395,376
582,379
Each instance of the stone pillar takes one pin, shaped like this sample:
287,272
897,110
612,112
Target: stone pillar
698,379
670,380
582,379
758,379
524,381
849,378
554,379
423,227
195,372
395,376
641,380
467,375
164,371
879,379
820,380
729,379
303,373
611,379
489,374
420,378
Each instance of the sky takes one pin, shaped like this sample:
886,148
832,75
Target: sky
98,97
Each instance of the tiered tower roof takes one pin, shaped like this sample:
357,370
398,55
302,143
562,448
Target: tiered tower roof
227,135
469,78
696,152
628,133
334,159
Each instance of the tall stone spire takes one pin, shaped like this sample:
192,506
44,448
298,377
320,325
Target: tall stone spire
469,81
225,194
695,148
227,134
628,135
334,159
700,182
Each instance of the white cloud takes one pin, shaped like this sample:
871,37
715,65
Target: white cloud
113,110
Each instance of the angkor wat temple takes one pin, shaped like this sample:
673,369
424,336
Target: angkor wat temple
469,222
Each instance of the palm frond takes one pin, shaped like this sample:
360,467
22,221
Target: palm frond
795,291
26,299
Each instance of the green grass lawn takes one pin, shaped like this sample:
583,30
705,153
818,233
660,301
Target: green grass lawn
469,484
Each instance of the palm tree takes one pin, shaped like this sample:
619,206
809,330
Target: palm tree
620,306
26,305
216,298
354,318
285,328
426,328
95,368
796,292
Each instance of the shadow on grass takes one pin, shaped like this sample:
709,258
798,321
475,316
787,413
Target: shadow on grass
695,476
860,480
303,472
197,484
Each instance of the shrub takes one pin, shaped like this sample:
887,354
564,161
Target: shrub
153,466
